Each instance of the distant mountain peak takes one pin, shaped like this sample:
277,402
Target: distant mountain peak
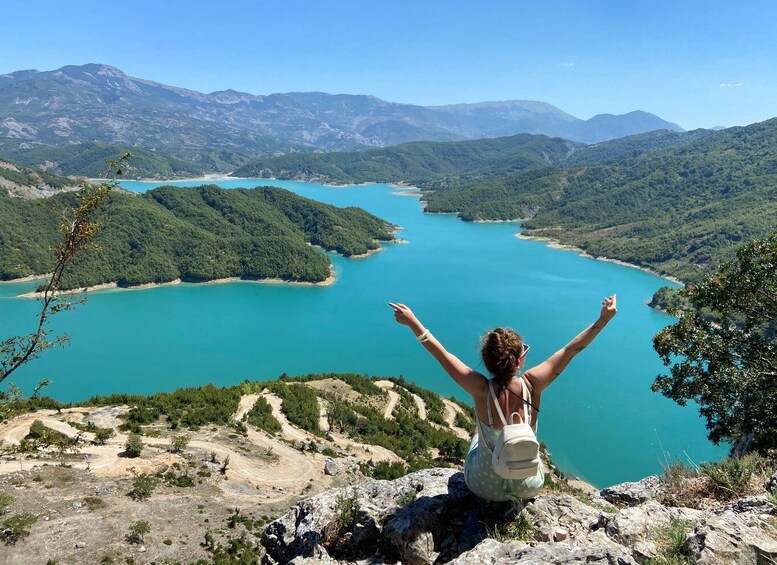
99,102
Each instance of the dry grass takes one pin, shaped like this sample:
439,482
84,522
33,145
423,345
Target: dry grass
711,483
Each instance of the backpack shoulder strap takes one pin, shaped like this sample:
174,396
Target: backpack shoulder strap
496,403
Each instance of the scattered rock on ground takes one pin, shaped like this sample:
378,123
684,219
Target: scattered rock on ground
330,467
632,493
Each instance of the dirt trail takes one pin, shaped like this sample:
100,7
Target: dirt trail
393,398
245,405
282,472
291,471
289,432
451,409
419,402
323,421
362,451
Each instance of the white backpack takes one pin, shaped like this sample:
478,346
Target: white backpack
516,453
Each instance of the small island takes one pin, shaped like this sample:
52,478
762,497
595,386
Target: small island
190,234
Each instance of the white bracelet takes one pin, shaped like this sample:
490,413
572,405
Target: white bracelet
424,336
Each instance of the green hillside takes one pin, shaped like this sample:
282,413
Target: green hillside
23,181
633,146
680,210
420,162
89,160
194,234
433,164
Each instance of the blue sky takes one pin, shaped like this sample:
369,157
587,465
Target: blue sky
697,63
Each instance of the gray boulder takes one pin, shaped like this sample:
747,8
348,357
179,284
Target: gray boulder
596,550
560,517
413,533
727,539
330,467
630,494
634,527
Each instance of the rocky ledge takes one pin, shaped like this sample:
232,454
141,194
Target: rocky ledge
431,517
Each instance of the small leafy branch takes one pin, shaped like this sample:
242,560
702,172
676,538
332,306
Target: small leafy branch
78,231
137,531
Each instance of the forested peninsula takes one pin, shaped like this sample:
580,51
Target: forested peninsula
192,234
678,203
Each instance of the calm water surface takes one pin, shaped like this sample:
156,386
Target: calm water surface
599,419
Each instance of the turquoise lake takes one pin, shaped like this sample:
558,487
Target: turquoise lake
599,419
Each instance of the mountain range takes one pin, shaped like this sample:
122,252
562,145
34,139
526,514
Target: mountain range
100,103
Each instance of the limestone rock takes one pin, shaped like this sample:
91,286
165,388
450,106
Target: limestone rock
377,522
759,503
411,534
598,551
330,467
634,526
632,493
491,552
554,514
727,539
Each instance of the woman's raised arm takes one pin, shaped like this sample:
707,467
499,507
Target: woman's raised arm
468,379
546,372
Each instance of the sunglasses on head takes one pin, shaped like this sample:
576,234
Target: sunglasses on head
526,349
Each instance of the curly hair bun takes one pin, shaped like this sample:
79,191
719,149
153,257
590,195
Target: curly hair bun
501,351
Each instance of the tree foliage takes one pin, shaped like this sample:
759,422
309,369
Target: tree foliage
723,351
77,232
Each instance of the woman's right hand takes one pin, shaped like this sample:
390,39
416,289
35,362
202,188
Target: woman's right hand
404,315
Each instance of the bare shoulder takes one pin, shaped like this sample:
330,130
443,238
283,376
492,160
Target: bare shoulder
480,382
532,379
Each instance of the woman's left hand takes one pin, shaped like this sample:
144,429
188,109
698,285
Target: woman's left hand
403,315
609,309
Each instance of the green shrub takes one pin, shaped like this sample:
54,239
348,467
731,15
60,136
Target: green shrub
406,498
102,435
178,443
463,422
347,508
383,470
733,475
142,487
16,528
134,446
40,434
94,502
137,531
670,543
509,528
5,501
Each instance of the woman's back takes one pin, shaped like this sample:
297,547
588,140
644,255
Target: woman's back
514,398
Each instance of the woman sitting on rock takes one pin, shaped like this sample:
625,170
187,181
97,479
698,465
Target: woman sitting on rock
504,353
